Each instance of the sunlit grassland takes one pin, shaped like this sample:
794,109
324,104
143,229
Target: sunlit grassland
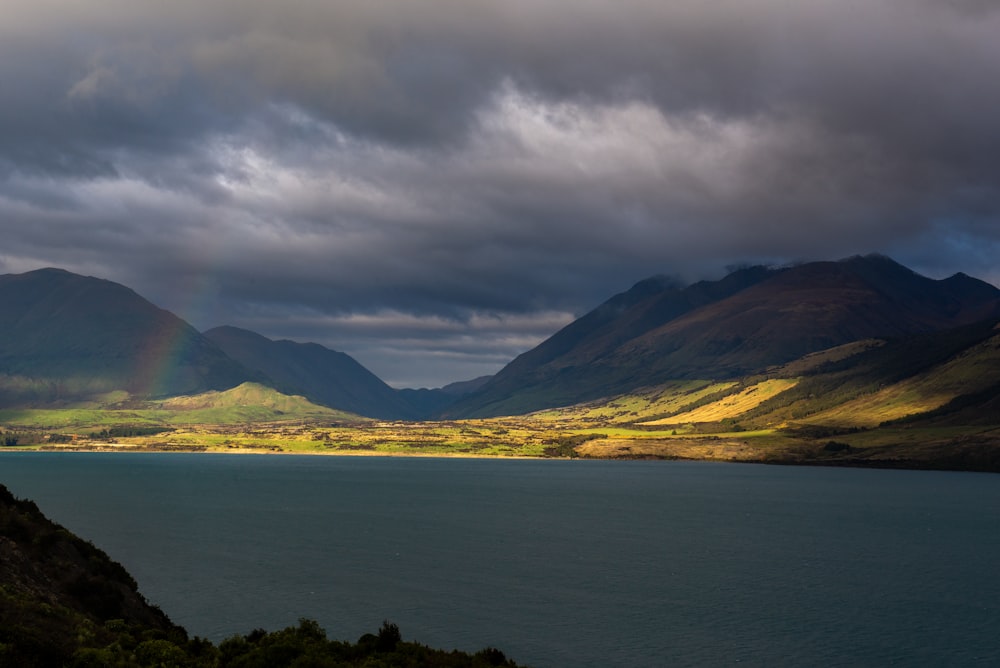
492,438
731,406
638,406
708,420
974,370
78,418
370,437
96,419
760,446
235,427
888,404
246,403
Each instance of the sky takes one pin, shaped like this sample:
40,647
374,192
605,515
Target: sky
437,186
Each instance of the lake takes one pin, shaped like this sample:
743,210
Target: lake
557,563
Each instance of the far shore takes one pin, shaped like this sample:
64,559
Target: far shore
129,449
898,464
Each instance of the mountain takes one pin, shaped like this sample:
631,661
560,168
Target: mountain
928,400
750,320
66,337
430,402
317,373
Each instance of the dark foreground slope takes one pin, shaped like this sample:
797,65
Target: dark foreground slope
58,592
747,322
64,337
323,376
63,602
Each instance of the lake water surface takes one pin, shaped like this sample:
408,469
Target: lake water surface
557,563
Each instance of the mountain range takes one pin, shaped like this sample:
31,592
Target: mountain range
741,325
66,338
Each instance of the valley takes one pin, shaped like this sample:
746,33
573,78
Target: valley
760,419
853,363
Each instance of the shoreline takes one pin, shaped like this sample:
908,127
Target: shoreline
874,464
118,449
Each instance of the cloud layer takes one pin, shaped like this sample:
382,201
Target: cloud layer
435,186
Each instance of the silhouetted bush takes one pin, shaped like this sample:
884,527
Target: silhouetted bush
388,637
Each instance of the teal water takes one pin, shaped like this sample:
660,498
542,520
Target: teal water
558,563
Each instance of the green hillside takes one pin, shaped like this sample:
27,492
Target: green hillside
246,403
249,402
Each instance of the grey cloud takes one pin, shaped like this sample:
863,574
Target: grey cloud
410,350
449,160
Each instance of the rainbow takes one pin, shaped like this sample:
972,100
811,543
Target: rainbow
167,363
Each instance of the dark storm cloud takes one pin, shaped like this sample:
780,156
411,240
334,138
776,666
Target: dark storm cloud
435,186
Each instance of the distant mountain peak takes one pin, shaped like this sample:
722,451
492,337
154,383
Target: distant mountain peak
54,271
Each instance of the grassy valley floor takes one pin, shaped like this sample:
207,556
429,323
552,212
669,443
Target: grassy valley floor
756,420
969,447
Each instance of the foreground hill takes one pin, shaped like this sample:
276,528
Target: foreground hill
64,337
65,602
57,589
321,375
753,319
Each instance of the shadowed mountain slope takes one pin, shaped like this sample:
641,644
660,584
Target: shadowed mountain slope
808,308
750,320
65,336
950,375
317,373
430,402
